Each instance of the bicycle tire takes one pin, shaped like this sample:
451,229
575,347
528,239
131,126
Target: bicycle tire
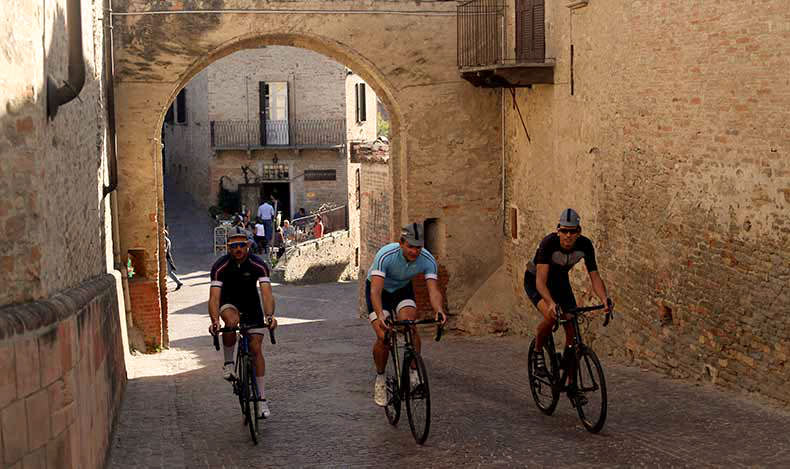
418,400
543,390
591,385
392,409
238,387
250,402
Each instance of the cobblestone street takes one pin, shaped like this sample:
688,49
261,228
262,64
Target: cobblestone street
178,412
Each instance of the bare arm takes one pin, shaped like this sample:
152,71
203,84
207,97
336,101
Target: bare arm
268,303
213,305
540,284
599,287
376,286
435,296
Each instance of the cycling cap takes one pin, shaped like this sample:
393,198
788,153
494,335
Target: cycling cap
237,232
569,217
414,234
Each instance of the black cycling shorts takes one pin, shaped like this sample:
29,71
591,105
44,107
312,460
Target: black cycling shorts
562,293
391,302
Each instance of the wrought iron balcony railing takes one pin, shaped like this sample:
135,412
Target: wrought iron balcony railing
241,134
490,55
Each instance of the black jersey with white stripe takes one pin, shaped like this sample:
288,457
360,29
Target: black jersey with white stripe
239,282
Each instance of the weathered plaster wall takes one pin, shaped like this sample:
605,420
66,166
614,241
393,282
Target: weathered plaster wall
441,168
51,239
674,149
328,259
62,369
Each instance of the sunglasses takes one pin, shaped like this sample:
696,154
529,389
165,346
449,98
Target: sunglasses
237,245
568,230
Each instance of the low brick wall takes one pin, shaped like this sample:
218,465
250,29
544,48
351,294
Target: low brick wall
63,376
328,259
146,312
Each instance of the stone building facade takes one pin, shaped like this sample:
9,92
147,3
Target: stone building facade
285,113
670,138
62,321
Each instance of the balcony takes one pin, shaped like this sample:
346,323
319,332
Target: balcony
298,134
483,55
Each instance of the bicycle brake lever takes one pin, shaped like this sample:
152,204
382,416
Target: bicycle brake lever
216,341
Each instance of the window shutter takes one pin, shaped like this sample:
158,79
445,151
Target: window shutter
362,108
356,101
530,30
181,106
169,115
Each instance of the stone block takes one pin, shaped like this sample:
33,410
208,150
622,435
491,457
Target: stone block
67,344
63,417
8,372
48,353
28,376
59,451
38,419
14,422
35,460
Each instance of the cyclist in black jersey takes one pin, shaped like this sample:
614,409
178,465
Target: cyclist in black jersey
546,278
236,279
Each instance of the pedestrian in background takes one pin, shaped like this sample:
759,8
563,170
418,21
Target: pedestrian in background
170,262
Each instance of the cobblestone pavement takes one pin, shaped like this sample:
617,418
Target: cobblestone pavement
179,413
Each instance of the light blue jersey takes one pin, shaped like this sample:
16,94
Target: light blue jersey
397,271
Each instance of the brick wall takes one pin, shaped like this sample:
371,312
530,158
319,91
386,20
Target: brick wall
673,148
63,375
146,313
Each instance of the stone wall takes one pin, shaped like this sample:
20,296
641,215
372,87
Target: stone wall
307,194
62,363
328,259
66,155
672,145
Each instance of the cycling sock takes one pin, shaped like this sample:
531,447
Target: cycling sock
228,351
261,392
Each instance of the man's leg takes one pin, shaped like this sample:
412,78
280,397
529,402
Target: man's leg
409,313
545,326
256,349
380,356
230,317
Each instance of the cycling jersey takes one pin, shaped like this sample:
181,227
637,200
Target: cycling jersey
397,271
239,284
560,263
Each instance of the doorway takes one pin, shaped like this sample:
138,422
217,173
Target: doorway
282,194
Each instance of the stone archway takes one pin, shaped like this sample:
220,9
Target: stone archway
445,130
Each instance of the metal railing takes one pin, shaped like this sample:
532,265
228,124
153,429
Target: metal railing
481,33
243,134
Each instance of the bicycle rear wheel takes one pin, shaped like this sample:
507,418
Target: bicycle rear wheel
392,408
543,391
418,399
590,396
251,400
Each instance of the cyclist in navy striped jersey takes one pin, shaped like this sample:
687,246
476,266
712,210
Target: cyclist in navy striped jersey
388,291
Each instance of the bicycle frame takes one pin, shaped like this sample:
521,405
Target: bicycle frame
408,328
578,346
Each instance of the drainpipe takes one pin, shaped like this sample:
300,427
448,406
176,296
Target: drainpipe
58,96
109,67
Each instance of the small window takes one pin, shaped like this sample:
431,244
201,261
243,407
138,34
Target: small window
514,222
358,191
181,107
434,237
361,109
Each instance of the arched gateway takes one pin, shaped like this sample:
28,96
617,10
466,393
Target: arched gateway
446,155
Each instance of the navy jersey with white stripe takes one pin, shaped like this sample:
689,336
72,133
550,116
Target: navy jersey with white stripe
239,282
397,271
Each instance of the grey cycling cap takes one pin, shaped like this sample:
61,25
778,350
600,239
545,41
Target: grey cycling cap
414,234
569,217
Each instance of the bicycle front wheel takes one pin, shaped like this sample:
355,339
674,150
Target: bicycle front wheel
418,398
590,397
392,408
542,388
251,399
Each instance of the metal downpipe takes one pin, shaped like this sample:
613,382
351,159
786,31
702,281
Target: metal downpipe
60,95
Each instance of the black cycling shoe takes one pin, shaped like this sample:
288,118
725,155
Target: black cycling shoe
539,366
577,398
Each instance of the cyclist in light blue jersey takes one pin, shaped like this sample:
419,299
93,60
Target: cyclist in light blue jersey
388,290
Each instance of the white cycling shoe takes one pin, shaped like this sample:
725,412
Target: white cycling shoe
380,390
414,379
263,409
228,371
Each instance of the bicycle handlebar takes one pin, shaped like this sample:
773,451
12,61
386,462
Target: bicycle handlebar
243,328
584,309
412,322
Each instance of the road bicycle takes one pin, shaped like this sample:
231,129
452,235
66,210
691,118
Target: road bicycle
417,396
245,386
587,387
